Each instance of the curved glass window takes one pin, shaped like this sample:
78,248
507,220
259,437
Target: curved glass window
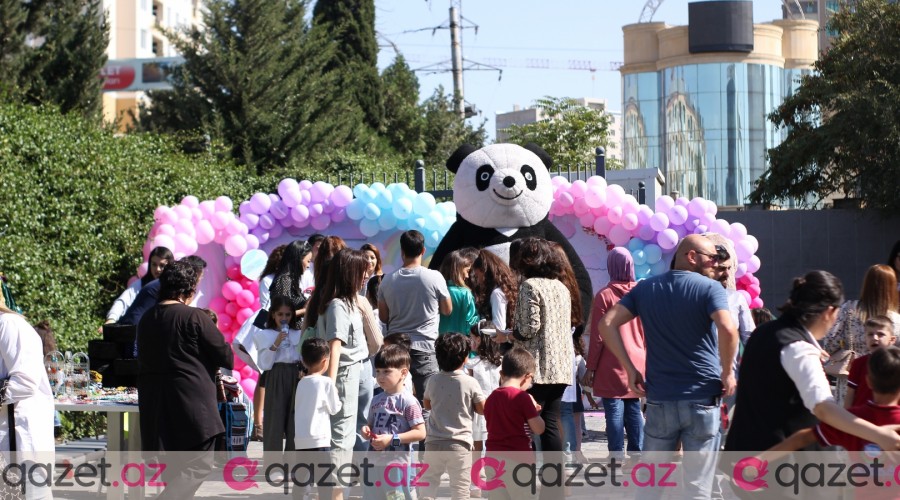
705,126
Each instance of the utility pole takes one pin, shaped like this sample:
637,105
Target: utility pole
456,59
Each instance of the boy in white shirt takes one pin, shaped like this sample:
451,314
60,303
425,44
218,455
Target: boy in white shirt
315,400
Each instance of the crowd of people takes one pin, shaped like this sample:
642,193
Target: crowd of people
485,356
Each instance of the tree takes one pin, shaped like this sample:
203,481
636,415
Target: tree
258,70
351,25
843,123
403,119
569,131
52,51
444,131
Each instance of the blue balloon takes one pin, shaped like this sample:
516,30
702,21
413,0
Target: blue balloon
652,253
639,256
355,209
371,211
387,221
384,199
369,227
641,271
635,244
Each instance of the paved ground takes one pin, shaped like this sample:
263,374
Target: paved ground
594,449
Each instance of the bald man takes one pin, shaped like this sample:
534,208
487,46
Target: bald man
686,376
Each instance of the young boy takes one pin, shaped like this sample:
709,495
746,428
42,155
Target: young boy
879,333
453,398
395,417
315,399
882,409
512,416
510,409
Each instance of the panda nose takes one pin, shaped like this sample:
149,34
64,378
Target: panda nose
509,181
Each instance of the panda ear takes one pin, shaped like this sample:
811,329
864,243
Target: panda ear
458,156
534,148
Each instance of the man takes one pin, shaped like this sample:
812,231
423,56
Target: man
410,300
689,368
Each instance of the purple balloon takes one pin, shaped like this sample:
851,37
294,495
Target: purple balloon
667,239
279,210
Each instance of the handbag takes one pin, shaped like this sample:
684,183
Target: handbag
839,362
371,328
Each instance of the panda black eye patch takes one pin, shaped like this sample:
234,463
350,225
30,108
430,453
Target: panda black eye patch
530,177
483,177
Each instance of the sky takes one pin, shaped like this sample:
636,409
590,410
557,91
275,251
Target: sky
534,42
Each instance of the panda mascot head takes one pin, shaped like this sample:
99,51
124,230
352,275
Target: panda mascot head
502,185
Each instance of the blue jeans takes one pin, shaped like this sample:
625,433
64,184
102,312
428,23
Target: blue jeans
696,424
624,415
567,418
366,388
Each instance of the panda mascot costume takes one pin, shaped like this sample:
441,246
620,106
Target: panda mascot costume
503,193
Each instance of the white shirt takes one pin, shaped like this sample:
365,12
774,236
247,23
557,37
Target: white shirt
307,280
315,401
264,297
570,395
123,302
803,363
22,360
499,303
287,351
486,373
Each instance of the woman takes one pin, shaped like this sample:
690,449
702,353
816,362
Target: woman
878,297
894,261
374,274
783,387
543,327
22,365
605,374
296,258
267,276
159,257
179,352
495,289
338,321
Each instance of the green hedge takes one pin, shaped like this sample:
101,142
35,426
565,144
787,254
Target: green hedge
77,202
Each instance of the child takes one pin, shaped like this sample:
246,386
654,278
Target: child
455,269
510,409
395,417
316,400
879,333
403,341
453,398
485,368
572,405
884,379
280,358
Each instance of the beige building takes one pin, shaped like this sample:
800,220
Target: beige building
520,116
696,108
136,32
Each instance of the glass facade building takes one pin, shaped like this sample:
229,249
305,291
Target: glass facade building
704,123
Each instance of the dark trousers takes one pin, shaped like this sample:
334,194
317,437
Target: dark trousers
549,397
186,470
278,420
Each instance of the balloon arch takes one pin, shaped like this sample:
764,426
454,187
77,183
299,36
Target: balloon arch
593,215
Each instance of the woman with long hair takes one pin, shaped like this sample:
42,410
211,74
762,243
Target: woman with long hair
877,298
544,328
374,274
339,322
606,375
156,262
294,262
495,288
783,387
567,277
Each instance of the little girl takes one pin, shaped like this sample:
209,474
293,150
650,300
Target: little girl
485,368
280,359
571,407
455,269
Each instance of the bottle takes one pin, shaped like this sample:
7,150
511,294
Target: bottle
284,329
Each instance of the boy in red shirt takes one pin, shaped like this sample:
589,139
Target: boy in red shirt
512,416
879,333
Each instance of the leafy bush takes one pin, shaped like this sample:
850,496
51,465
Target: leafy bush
76,205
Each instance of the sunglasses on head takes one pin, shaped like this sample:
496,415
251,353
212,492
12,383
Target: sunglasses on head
721,254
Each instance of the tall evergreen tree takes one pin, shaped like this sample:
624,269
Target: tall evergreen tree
52,51
351,24
262,71
403,119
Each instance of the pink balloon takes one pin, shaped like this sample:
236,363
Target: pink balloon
245,371
630,221
250,220
236,245
231,308
205,232
225,322
342,196
249,385
218,304
757,303
245,313
166,229
667,239
619,236
224,204
678,215
664,203
260,203
615,215
185,244
164,240
753,264
252,241
587,220
244,298
230,290
602,225
659,221
697,207
595,196
182,212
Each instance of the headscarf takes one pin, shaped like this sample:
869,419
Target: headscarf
620,265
